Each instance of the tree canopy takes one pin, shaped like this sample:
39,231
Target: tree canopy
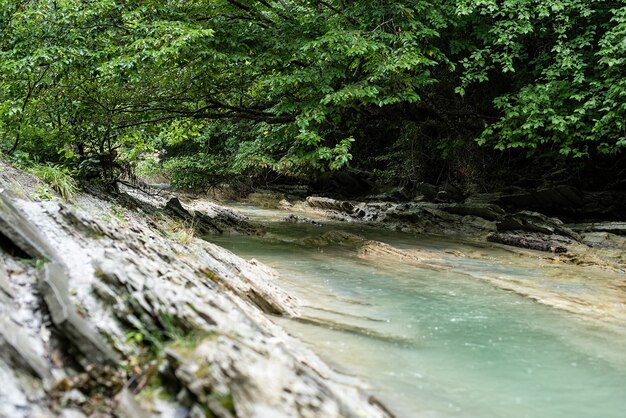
229,86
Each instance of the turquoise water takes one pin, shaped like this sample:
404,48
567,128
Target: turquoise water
441,343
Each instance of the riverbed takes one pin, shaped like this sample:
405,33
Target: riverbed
448,342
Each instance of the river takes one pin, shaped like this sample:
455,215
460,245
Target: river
442,342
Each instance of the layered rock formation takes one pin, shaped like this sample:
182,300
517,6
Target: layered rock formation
103,314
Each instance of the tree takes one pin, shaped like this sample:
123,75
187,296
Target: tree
303,86
566,62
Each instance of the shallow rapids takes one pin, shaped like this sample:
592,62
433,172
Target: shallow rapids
440,341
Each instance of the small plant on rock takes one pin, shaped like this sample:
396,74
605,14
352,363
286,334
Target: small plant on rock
58,177
42,193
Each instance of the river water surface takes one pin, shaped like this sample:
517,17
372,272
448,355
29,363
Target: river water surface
438,342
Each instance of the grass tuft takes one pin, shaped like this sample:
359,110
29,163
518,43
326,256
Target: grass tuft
182,232
58,177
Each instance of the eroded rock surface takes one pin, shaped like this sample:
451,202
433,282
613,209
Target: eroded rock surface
97,311
523,240
478,218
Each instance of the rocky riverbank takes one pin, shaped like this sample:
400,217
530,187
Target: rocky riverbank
601,244
585,263
114,308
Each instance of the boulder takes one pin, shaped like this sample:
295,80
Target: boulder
396,194
54,288
483,210
16,347
524,241
617,228
429,191
330,204
297,219
604,240
128,407
17,233
534,222
449,194
483,198
334,238
208,218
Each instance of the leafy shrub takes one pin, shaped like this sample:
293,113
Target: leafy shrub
198,171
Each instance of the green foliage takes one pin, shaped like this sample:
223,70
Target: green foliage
566,61
297,87
58,177
36,263
42,192
166,331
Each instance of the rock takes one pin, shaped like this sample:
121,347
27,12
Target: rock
524,241
128,407
397,194
299,219
375,249
449,193
176,208
483,210
407,213
15,231
72,413
604,240
4,284
422,214
483,198
558,197
371,211
161,186
54,288
265,199
427,190
285,203
334,238
210,218
114,290
617,228
567,201
330,204
254,388
250,280
535,222
440,214
201,224
197,412
16,346
479,223
17,401
73,397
